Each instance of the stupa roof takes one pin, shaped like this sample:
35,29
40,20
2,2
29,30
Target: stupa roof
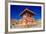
27,11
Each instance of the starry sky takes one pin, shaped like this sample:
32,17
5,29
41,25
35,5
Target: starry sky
15,11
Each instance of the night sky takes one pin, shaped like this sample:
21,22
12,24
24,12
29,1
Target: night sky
15,11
